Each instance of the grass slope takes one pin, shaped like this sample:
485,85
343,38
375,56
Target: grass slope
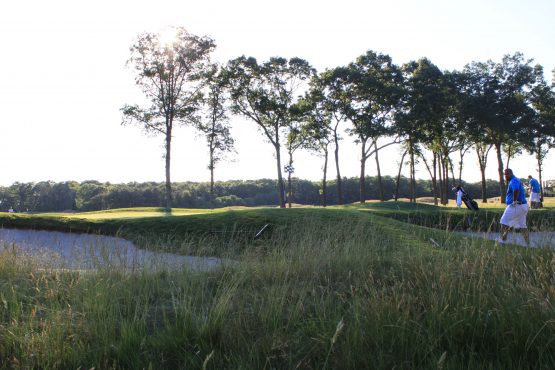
452,218
326,289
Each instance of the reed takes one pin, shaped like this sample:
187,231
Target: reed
335,290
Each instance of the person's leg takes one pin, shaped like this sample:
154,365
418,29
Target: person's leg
526,235
506,222
522,212
504,232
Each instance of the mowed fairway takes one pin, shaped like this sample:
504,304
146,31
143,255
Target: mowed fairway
132,213
354,287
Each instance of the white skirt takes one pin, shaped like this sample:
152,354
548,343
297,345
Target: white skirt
515,216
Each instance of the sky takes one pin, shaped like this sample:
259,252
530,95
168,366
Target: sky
63,76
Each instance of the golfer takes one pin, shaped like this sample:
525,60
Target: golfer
534,186
459,196
517,208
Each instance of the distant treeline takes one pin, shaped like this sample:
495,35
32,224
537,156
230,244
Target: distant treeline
48,196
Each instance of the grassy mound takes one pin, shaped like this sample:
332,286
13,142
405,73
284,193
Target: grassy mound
454,219
224,232
325,289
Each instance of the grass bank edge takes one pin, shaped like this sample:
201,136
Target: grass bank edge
182,233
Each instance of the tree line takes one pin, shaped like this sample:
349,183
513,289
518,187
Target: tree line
437,117
48,196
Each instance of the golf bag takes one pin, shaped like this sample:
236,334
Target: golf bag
467,200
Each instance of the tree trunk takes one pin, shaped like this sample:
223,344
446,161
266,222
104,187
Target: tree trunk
509,155
539,157
212,178
168,179
289,189
362,182
412,175
448,167
289,186
500,168
484,192
431,173
434,180
445,190
324,179
339,188
482,154
452,169
441,179
462,152
280,177
399,176
379,173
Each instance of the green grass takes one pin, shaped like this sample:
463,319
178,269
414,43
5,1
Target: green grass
218,233
452,218
325,289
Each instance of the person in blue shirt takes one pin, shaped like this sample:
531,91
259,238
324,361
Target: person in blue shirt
535,198
516,210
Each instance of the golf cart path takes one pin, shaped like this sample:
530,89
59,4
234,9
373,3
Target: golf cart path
537,239
54,249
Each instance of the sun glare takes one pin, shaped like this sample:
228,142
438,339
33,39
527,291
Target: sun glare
168,36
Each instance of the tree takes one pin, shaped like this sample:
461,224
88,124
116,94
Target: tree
318,132
431,103
499,102
542,132
475,102
411,118
330,83
293,141
265,94
215,126
372,92
169,75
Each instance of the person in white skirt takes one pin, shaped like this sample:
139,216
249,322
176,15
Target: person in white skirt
459,196
516,210
535,198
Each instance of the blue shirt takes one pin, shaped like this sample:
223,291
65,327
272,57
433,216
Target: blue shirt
535,185
515,184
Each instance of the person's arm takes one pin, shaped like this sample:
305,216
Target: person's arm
515,193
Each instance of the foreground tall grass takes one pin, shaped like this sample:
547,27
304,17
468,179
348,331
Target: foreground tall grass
346,292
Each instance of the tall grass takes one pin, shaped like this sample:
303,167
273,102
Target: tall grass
349,292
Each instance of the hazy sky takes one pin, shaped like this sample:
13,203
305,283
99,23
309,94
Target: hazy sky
63,77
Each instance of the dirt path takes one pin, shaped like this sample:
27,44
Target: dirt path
537,239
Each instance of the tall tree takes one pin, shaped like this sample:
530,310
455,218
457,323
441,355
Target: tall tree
216,125
372,92
423,119
319,131
294,140
432,102
500,102
475,103
541,133
330,84
168,72
265,93
482,151
407,127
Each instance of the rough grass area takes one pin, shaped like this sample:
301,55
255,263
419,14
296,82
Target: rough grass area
455,219
324,293
223,232
326,289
